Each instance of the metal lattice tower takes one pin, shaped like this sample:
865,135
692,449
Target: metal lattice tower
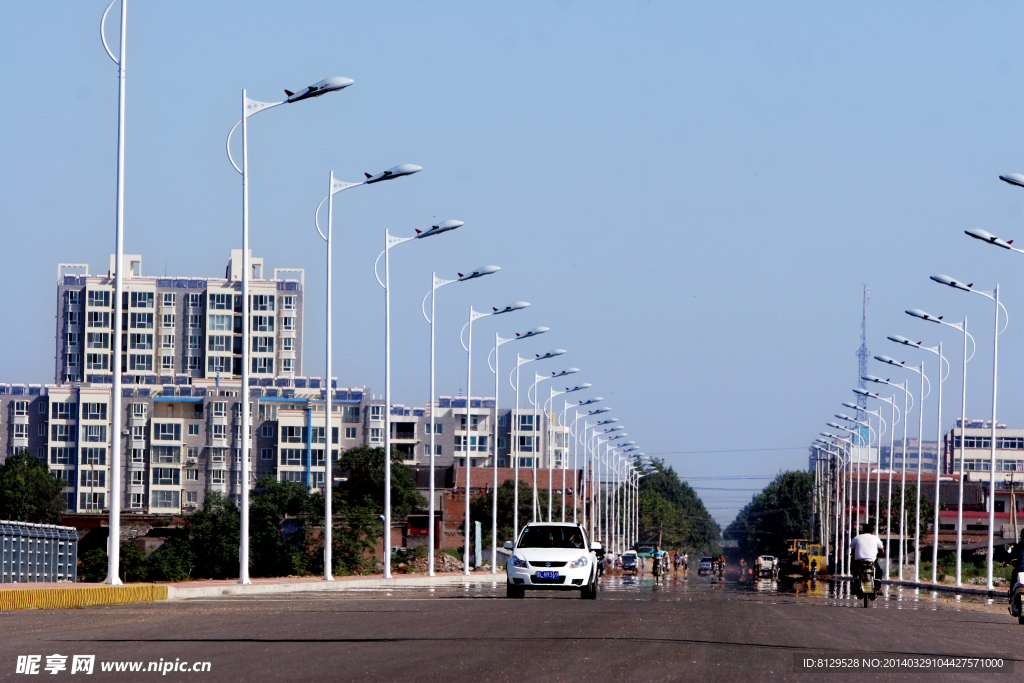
862,352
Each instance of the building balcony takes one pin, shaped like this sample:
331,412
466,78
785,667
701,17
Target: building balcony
19,419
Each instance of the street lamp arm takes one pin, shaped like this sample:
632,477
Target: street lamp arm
316,214
103,36
228,147
375,273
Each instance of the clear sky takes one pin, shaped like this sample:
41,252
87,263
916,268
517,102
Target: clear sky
691,195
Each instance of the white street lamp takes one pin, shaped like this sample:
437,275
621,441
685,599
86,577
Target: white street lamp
961,326
436,283
474,315
249,108
334,186
535,402
116,485
994,296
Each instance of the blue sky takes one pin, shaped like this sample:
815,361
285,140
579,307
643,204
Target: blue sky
690,195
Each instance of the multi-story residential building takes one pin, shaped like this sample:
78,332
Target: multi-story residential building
977,460
177,327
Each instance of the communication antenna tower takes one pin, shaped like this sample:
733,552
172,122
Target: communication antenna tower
862,352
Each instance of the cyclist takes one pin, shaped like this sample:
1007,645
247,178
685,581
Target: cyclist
659,555
866,548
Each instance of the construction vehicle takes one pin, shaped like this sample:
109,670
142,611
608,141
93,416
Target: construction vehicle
803,557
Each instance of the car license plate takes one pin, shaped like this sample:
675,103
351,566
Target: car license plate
547,575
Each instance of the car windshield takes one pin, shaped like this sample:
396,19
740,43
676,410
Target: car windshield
705,559
551,537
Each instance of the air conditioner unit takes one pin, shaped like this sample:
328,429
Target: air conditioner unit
192,461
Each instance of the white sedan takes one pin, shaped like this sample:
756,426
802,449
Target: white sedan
551,556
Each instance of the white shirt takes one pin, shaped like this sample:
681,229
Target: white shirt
866,547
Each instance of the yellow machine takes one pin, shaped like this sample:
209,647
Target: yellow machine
805,557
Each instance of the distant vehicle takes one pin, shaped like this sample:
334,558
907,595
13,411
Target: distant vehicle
705,566
629,561
803,557
766,565
551,556
644,549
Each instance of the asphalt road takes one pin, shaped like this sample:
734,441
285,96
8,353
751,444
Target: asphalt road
637,630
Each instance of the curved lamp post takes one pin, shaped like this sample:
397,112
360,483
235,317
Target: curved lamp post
994,296
251,107
334,187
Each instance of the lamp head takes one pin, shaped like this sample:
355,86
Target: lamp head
443,226
986,236
532,333
515,306
1013,178
319,88
479,272
550,354
950,282
918,313
392,173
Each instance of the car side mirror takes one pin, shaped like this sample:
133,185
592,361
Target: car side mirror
509,545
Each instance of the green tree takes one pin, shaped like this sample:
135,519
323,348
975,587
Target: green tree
92,566
671,512
365,485
29,492
271,503
215,536
781,511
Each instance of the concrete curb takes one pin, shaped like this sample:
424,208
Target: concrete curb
182,593
966,590
71,597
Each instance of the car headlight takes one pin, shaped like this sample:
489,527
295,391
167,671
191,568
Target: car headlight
518,562
582,562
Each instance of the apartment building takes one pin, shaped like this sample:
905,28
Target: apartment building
177,327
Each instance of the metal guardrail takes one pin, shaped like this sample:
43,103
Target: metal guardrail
37,552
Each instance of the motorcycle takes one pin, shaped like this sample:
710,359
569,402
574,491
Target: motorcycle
656,567
865,583
1015,598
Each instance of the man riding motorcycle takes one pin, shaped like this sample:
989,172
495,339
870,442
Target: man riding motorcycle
1017,562
866,549
660,559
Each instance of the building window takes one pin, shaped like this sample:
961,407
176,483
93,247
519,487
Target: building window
263,344
292,456
502,420
460,444
219,409
20,431
526,462
138,455
98,298
526,443
168,298
74,296
167,341
74,338
376,412
218,431
139,410
94,411
167,362
167,431
263,323
165,499
501,442
138,478
267,431
350,432
97,340
94,456
62,456
94,478
73,318
438,449
20,407
263,302
139,433
167,320
287,323
375,433
63,411
137,500
166,476
192,497
218,364
142,321
292,476
140,361
266,454
142,299
220,302
287,365
97,361
193,430
194,300
59,432
220,342
220,323
191,475
93,501
98,318
289,303
287,344
140,341
194,341
195,321
526,423
194,363
293,434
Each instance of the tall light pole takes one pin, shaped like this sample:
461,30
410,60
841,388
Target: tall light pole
962,327
116,485
391,241
882,427
535,402
249,108
333,187
436,283
920,437
520,361
994,296
937,350
897,415
474,315
498,342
